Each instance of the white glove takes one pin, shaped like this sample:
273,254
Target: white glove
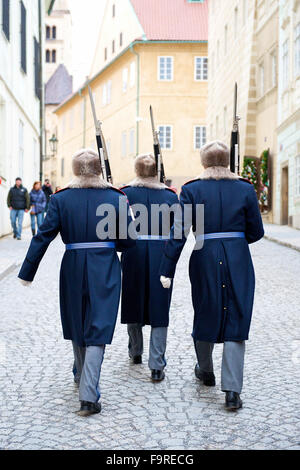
166,282
25,283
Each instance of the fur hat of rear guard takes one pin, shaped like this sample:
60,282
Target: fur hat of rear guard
146,172
87,170
215,159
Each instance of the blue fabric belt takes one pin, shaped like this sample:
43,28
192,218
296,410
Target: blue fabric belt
85,246
153,237
211,236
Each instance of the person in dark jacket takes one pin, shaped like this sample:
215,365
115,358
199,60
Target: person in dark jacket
90,277
38,205
221,273
47,188
144,301
18,202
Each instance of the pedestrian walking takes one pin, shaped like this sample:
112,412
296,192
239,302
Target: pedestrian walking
47,188
18,202
144,301
38,203
221,273
90,278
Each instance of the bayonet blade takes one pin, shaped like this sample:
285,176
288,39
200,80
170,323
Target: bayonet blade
94,110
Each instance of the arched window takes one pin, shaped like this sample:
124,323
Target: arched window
47,56
53,32
53,56
48,32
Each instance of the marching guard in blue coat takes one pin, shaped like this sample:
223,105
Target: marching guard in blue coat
144,300
221,273
90,277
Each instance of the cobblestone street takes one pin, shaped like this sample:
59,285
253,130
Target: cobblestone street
39,399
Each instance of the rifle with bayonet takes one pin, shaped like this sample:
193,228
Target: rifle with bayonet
157,151
235,138
102,150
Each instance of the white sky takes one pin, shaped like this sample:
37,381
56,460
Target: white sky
86,18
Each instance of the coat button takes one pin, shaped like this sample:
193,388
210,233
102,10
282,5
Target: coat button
221,262
223,286
225,308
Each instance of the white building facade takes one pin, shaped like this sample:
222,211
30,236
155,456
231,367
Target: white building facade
19,96
288,132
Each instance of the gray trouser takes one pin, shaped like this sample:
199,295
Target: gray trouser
232,363
158,344
87,368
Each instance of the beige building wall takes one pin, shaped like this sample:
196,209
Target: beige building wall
180,103
113,29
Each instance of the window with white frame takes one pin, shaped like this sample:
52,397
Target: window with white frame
201,68
297,174
104,94
165,137
261,80
199,137
274,69
236,18
165,68
297,50
132,75
21,148
285,63
124,144
125,79
245,11
225,119
225,39
131,142
108,91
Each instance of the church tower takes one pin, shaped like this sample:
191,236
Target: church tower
58,42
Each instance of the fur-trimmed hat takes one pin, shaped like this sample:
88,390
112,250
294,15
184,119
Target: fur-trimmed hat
145,166
86,162
87,170
215,154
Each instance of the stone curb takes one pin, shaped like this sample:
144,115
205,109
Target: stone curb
280,242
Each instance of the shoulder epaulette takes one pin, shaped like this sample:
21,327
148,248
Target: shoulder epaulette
245,180
118,190
61,190
170,189
125,187
191,181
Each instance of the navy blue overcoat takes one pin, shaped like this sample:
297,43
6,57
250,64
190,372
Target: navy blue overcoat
221,273
144,300
90,279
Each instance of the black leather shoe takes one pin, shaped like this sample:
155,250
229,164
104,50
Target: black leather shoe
88,408
233,401
208,378
157,375
137,360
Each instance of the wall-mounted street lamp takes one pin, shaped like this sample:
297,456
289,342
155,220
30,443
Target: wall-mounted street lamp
53,144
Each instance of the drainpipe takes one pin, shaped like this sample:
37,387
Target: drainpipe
137,100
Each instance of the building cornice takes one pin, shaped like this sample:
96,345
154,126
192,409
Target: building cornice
131,45
288,121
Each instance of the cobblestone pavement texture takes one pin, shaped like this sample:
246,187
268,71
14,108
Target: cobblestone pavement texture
39,399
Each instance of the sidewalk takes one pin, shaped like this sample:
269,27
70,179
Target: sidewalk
283,235
12,252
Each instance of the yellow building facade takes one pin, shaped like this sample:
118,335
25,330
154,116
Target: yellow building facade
170,75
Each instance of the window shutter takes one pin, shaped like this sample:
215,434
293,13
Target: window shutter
23,38
5,16
37,69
